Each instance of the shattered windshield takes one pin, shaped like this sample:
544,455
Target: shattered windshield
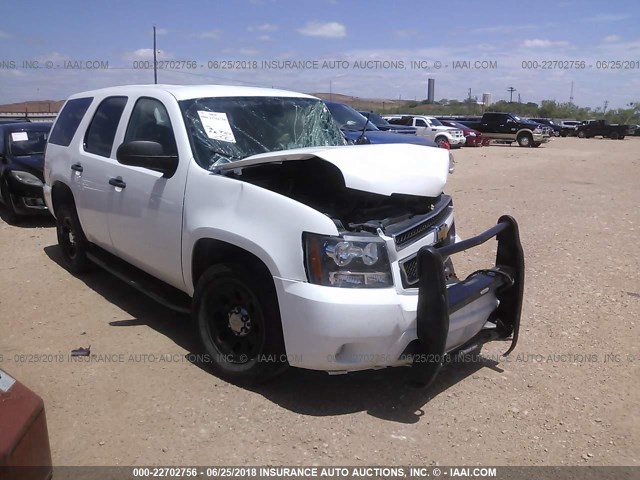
226,129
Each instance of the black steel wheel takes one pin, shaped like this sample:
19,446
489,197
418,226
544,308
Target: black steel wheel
73,244
238,322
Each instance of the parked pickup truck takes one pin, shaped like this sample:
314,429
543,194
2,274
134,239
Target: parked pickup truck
247,209
602,128
509,128
431,128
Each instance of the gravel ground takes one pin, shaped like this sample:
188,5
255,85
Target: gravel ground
567,397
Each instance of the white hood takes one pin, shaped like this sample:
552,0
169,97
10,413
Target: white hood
383,169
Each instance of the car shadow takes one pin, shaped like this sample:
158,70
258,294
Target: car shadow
388,393
35,221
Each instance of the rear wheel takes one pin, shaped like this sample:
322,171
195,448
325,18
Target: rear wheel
73,244
621,137
614,136
238,321
525,140
581,134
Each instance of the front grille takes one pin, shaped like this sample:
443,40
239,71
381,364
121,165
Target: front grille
415,232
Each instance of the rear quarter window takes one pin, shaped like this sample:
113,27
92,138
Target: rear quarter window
68,121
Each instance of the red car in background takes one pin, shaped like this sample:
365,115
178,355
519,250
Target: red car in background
474,137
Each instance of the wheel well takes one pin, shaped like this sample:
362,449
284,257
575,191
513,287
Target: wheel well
61,194
208,252
524,132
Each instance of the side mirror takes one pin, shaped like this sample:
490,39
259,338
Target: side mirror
362,140
146,154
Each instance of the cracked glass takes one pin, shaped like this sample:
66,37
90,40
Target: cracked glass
225,129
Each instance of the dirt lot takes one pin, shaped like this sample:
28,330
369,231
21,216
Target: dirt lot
560,400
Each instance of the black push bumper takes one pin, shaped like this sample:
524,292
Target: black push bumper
436,302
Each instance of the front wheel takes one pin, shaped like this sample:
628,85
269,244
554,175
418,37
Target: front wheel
525,140
536,144
73,244
614,135
581,135
237,318
10,211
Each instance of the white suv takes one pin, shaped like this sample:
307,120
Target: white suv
430,127
247,208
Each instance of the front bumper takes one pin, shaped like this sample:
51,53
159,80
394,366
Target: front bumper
341,330
540,138
26,199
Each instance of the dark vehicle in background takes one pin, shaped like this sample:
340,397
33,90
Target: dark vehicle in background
557,129
21,168
385,126
569,128
473,137
509,128
5,120
602,128
352,123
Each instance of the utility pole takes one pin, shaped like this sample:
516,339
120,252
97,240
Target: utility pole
606,104
155,62
519,99
330,91
571,95
511,90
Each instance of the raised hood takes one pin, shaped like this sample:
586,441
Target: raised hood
381,169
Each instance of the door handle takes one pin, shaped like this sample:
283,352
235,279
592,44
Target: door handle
117,182
76,167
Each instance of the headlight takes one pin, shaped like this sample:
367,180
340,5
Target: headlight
26,178
348,261
537,130
452,163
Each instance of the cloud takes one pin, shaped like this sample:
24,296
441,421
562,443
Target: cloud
542,43
503,29
265,27
248,51
326,30
264,38
215,33
146,54
612,38
406,33
4,34
606,17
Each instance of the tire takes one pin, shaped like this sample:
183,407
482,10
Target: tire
563,134
237,319
11,216
621,137
581,134
536,144
71,239
525,140
614,136
441,140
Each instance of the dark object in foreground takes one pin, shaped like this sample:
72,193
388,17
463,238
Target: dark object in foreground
436,302
25,453
81,352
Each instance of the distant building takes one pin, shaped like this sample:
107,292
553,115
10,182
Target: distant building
486,99
431,90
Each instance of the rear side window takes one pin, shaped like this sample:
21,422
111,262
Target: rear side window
68,121
102,130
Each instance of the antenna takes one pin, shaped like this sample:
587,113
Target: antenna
155,63
511,90
571,95
606,104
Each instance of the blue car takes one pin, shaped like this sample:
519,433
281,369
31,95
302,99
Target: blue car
352,124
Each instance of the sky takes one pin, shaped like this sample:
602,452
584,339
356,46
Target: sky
375,49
